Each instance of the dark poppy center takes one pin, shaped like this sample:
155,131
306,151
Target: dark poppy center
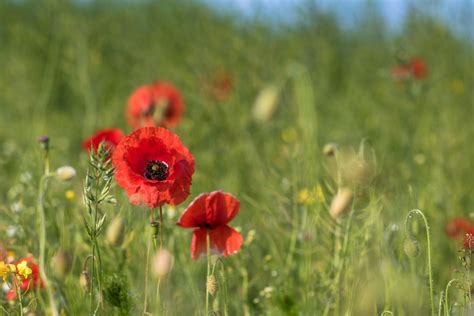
156,170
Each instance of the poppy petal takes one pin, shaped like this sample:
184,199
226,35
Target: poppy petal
221,208
195,214
225,240
198,243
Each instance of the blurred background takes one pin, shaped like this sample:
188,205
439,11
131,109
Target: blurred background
336,72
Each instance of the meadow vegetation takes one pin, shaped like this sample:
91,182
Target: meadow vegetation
335,121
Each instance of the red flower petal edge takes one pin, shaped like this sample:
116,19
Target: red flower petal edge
110,136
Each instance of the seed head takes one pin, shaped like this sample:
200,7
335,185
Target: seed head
341,202
411,247
162,263
65,173
212,285
266,104
329,149
115,232
85,281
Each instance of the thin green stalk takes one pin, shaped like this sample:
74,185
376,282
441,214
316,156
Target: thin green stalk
208,248
147,264
446,297
428,241
42,241
440,303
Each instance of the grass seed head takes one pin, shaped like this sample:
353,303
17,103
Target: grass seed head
341,202
65,173
115,232
212,285
162,263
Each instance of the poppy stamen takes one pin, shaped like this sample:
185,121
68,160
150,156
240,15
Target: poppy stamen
156,170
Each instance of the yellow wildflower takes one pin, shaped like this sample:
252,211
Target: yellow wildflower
319,194
457,86
4,269
289,135
303,196
70,195
23,269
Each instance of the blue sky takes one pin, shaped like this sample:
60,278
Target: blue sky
456,13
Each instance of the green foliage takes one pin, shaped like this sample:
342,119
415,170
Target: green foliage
68,69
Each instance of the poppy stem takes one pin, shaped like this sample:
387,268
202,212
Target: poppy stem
208,246
161,227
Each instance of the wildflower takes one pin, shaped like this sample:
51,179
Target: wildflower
266,104
5,268
27,273
415,68
220,86
341,202
457,86
158,104
457,226
65,173
209,213
70,195
109,136
311,197
153,167
418,68
23,269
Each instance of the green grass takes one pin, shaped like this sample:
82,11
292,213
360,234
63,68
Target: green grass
67,70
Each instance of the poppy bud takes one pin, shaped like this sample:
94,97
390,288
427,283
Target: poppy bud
62,263
329,149
469,241
266,104
155,228
115,232
411,247
65,173
212,285
44,142
341,202
162,263
85,281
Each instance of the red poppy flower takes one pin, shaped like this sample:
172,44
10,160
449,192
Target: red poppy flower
220,86
33,281
159,104
209,213
110,136
418,68
456,226
153,167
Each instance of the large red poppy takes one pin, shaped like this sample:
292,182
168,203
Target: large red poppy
33,281
158,104
110,136
153,167
210,213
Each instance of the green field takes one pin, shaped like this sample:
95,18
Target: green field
67,70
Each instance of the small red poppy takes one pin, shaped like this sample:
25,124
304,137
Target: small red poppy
153,167
158,104
418,68
110,136
210,213
457,226
33,281
220,86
